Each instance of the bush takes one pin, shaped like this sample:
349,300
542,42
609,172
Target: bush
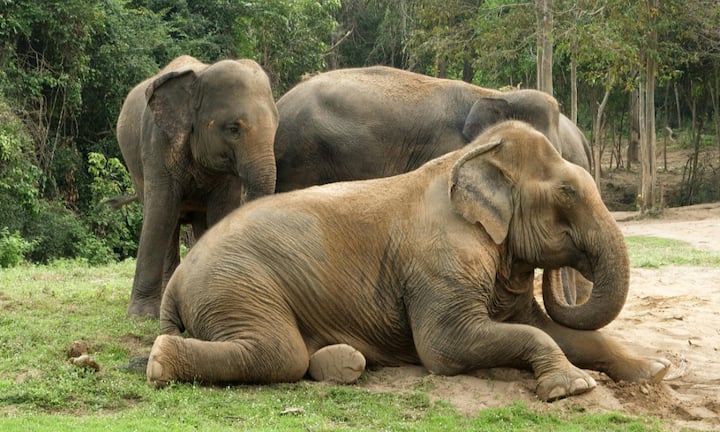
59,233
12,248
119,229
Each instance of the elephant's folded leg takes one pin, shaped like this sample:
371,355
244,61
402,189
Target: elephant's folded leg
591,349
597,351
174,358
338,363
495,344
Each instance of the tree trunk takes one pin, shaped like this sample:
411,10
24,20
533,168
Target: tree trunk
598,133
573,89
468,71
648,144
634,129
544,11
715,100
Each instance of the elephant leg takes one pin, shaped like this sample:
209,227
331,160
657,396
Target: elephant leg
199,226
487,344
597,351
172,257
160,216
338,363
568,284
279,355
576,288
222,200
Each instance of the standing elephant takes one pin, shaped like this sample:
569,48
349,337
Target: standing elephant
198,141
355,124
432,267
574,147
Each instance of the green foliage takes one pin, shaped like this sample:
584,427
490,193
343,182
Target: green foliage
12,248
118,229
46,308
288,38
57,232
19,176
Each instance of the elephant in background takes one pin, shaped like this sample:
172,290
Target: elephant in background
571,143
574,147
197,140
431,267
354,124
362,123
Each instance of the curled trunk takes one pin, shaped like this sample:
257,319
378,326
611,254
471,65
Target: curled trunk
610,273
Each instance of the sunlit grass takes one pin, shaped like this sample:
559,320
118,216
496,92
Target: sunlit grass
654,252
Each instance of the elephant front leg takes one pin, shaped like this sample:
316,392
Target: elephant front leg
597,351
490,344
160,218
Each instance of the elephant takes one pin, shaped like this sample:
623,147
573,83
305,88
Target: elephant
362,123
431,267
572,144
197,140
574,147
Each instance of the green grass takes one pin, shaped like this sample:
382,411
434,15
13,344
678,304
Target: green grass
654,252
44,308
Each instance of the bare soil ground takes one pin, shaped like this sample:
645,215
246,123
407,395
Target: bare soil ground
673,312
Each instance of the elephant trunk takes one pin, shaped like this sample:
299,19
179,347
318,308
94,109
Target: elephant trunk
610,272
259,177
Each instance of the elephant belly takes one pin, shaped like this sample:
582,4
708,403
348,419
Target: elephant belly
381,347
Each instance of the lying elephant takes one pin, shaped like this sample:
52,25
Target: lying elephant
198,141
432,267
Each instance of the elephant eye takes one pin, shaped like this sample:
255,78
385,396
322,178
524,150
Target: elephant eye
234,128
567,194
567,189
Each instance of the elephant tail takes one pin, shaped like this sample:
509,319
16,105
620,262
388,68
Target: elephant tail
118,202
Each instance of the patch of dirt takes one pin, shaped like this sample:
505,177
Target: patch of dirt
137,345
673,312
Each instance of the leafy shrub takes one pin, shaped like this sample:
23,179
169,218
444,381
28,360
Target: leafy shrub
119,229
19,175
59,233
12,248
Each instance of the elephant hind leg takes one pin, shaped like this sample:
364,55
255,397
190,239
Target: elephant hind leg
339,363
250,360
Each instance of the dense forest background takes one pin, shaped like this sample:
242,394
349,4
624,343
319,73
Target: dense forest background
628,72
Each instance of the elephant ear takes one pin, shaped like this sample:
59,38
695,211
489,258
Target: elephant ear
484,113
481,192
170,99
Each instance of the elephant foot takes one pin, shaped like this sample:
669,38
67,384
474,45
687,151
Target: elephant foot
159,369
561,384
339,363
147,309
640,370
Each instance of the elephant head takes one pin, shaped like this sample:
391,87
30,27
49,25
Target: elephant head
545,215
225,115
531,106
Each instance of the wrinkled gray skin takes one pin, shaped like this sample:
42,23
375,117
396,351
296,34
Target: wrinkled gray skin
198,141
572,144
354,124
574,147
432,267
